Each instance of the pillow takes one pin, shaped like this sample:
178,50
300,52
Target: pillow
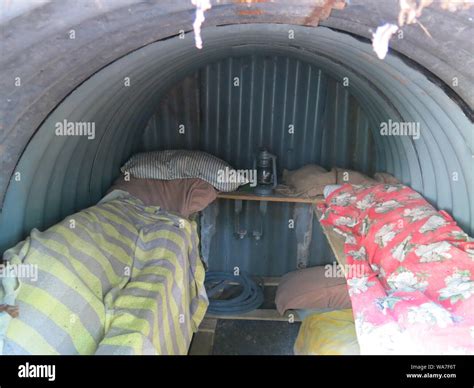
329,189
178,164
385,177
331,333
183,196
309,288
308,180
344,175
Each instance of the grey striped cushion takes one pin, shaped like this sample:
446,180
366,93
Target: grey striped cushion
179,164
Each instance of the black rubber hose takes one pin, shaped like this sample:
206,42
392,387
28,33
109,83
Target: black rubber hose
249,299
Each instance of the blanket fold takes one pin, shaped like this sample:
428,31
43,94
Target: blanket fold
412,287
116,278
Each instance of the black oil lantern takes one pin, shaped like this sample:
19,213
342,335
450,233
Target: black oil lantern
265,164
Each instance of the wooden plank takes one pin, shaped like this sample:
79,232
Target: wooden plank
246,196
271,281
267,281
261,315
208,325
336,242
203,340
202,344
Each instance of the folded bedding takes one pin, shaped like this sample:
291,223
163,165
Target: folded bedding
182,196
313,180
328,333
117,278
411,271
182,164
307,181
311,288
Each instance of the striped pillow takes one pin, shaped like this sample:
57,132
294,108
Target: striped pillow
179,164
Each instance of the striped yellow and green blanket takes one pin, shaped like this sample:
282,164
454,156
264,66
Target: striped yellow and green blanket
117,278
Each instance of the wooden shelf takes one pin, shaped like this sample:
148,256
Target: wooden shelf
260,315
248,196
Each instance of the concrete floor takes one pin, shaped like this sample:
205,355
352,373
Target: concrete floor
246,337
261,332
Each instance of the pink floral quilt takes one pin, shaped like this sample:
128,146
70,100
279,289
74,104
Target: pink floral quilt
410,271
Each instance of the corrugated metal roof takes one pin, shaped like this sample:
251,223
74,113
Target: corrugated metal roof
64,174
36,46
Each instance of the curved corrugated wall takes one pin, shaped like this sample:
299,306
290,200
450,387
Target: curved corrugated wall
233,117
62,174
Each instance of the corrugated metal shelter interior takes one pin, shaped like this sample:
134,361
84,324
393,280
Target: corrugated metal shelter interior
233,122
282,82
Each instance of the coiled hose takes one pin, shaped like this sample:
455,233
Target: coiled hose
249,299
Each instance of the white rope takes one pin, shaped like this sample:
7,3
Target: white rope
201,7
